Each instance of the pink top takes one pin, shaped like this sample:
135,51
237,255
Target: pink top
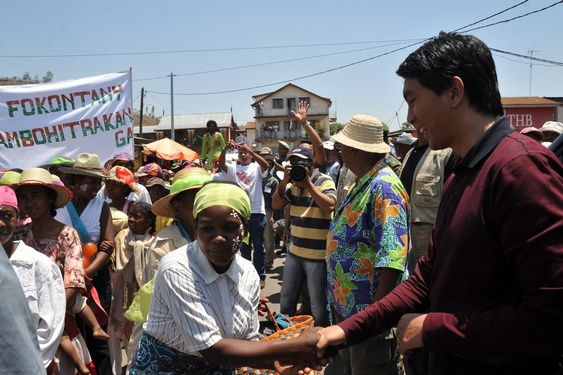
66,251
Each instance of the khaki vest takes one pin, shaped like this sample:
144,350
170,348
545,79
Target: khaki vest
427,184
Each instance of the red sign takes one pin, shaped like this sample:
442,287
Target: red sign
522,117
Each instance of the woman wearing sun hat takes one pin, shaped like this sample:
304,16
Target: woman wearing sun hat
178,205
91,217
39,197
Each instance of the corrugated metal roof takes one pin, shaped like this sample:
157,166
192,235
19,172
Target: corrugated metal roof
195,121
518,101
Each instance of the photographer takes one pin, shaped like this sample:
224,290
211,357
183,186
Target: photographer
311,196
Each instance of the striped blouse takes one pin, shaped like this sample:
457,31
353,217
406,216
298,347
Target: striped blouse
193,306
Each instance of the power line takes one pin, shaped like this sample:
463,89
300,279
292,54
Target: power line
167,52
553,62
514,18
491,16
270,62
524,62
292,79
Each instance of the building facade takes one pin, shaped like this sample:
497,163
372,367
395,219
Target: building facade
273,120
533,111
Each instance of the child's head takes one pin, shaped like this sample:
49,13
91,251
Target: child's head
141,218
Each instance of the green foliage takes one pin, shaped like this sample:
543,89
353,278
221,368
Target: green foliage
335,127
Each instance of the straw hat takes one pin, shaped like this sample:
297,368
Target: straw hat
193,178
10,178
364,133
552,126
42,177
86,165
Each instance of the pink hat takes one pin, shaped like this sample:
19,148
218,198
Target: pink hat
8,197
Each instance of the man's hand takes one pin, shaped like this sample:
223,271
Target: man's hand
244,148
301,114
262,310
330,336
409,332
231,145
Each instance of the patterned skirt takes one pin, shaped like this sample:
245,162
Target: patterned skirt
153,357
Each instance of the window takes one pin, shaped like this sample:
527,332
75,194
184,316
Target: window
277,103
306,100
287,126
272,125
291,103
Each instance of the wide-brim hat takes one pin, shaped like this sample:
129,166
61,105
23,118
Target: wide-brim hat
86,164
552,126
42,177
532,130
405,139
10,178
364,133
194,178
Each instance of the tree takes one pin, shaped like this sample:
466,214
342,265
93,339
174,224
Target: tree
48,77
26,77
335,127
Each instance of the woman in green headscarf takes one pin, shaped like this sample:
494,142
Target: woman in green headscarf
205,299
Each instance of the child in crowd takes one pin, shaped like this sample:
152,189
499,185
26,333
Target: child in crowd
128,274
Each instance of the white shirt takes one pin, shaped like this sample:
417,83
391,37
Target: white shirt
249,177
90,218
44,292
193,307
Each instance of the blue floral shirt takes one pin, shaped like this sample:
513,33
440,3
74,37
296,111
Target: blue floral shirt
369,231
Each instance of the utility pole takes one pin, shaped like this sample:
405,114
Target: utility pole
172,135
531,52
141,116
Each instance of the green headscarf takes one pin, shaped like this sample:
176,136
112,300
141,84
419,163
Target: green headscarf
222,194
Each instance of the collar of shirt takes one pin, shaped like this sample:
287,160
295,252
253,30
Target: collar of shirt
487,143
208,272
22,253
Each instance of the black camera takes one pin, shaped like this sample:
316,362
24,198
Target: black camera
299,171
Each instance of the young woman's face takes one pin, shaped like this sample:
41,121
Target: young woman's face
8,221
220,232
138,221
87,186
116,190
34,201
183,205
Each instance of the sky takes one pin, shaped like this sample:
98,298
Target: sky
239,31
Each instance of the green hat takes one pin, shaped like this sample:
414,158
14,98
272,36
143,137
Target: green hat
194,178
10,178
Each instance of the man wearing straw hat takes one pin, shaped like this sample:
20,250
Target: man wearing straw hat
367,242
486,296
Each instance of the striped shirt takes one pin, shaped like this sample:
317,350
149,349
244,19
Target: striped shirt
309,224
193,307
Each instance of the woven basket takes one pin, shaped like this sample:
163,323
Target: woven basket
299,324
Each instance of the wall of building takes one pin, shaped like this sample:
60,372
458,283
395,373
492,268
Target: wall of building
521,117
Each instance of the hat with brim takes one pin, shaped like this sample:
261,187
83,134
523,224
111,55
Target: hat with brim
10,178
59,161
86,165
42,177
195,178
284,144
531,130
302,153
364,133
123,176
552,126
156,181
405,139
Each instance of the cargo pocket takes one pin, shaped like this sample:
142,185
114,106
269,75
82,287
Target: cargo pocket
381,350
427,192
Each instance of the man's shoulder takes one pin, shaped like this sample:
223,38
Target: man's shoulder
515,148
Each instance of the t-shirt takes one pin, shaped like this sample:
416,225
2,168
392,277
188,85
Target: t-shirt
309,223
249,177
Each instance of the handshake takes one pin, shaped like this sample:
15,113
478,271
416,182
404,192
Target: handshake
313,350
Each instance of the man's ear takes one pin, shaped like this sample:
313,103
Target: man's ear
456,91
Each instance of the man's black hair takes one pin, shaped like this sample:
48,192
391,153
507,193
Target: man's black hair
451,54
211,123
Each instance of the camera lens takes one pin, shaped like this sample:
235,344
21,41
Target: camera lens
298,173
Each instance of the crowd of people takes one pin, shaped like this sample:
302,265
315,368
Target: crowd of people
439,252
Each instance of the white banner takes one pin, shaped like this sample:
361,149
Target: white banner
39,122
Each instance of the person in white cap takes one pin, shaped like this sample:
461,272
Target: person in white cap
551,130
